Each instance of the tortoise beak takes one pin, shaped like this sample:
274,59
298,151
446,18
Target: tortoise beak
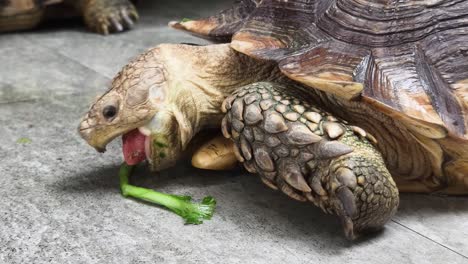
100,149
88,132
91,137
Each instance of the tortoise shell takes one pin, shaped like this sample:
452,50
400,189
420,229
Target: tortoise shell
13,7
408,56
407,59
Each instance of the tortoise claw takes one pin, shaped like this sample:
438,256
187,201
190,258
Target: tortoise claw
128,22
134,15
348,227
104,30
346,196
115,23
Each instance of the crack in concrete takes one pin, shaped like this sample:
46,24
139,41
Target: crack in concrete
430,239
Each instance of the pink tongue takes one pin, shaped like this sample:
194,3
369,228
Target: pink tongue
134,147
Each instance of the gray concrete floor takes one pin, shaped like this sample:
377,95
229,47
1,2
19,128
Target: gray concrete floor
60,200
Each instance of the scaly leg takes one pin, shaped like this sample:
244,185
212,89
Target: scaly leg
310,155
107,16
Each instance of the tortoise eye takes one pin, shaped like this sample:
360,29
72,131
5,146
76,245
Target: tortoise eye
109,111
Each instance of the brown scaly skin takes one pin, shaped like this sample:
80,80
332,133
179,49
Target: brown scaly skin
310,155
101,16
177,90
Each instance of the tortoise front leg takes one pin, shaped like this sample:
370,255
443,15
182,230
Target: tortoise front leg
310,155
107,16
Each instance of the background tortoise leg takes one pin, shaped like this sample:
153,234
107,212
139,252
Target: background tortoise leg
405,186
13,21
310,155
107,16
457,173
456,184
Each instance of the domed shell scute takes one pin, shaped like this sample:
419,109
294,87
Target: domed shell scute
18,7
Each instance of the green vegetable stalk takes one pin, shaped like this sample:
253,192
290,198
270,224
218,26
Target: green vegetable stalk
193,213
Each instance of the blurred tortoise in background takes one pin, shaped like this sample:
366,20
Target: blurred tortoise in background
333,102
101,16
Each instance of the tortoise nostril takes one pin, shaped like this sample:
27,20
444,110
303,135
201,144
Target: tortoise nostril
109,111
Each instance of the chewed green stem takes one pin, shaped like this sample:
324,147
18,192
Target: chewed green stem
193,213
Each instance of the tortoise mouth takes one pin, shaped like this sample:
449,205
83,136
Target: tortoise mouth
136,146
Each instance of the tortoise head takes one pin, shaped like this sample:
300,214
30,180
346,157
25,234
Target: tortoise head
143,105
162,99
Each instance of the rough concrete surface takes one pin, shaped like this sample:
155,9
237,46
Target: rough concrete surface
60,201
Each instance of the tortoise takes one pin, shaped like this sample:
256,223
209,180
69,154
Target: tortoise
340,103
101,16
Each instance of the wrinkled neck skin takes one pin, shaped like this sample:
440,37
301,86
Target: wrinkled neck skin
208,74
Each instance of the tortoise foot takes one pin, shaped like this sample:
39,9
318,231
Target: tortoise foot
310,155
109,16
